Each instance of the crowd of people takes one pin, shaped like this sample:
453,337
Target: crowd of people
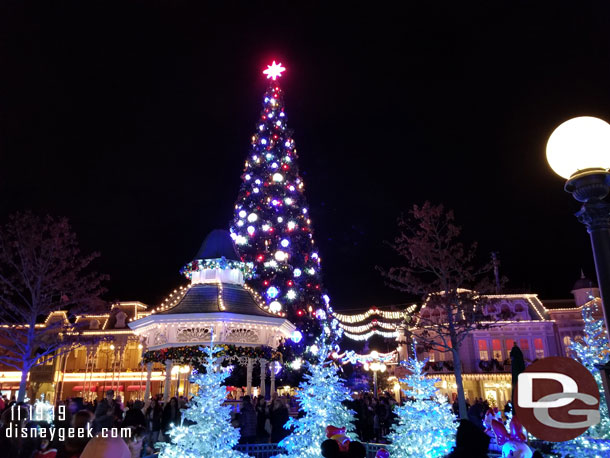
374,416
260,420
138,426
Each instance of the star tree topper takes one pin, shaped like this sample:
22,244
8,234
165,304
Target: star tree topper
274,70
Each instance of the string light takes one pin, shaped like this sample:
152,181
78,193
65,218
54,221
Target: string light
374,311
368,335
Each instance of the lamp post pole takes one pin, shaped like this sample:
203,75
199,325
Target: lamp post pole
375,383
590,187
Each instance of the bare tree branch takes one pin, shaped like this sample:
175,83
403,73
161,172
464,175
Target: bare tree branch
42,271
441,269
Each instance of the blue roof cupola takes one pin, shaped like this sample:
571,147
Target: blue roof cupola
218,244
217,261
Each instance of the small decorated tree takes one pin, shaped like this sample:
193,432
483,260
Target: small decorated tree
426,424
321,396
211,434
593,349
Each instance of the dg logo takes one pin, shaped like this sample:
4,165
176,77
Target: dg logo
556,399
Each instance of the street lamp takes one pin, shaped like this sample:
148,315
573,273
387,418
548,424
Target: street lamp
375,367
579,150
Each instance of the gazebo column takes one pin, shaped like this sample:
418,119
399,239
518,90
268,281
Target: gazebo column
168,380
148,377
272,384
187,383
263,364
249,369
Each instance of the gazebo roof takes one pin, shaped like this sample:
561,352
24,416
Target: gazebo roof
214,298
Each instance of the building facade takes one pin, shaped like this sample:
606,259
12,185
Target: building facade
110,354
540,328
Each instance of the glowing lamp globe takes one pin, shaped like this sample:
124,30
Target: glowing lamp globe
578,144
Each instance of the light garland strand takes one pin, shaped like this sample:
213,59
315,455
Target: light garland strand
370,334
365,327
357,318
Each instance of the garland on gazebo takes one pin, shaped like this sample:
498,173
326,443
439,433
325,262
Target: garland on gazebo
194,354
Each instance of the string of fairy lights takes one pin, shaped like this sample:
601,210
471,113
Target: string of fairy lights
178,294
363,326
374,311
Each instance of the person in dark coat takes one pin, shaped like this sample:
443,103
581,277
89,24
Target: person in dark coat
153,423
134,416
261,417
279,417
470,442
74,446
247,421
171,416
104,412
517,364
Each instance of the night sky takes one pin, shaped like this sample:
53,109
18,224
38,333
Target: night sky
133,119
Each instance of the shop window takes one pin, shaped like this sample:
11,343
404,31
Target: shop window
497,349
525,347
509,344
483,354
539,347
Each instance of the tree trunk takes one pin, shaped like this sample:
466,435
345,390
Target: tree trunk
457,370
23,384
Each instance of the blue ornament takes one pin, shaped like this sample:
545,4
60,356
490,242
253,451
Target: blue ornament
272,292
296,336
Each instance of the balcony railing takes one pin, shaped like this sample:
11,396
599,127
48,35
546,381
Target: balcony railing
495,365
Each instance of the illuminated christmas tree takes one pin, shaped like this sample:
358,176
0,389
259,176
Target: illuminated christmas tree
593,349
271,227
321,395
426,424
211,434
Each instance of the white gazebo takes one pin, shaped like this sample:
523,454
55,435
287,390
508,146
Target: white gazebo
217,303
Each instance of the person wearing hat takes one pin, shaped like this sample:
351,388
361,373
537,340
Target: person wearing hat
104,412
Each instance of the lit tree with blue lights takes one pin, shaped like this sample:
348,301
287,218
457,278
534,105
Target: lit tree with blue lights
592,350
426,424
211,434
272,228
321,396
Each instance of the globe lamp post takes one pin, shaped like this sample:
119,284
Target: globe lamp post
579,150
375,367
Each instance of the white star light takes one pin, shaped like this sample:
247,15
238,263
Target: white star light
274,70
